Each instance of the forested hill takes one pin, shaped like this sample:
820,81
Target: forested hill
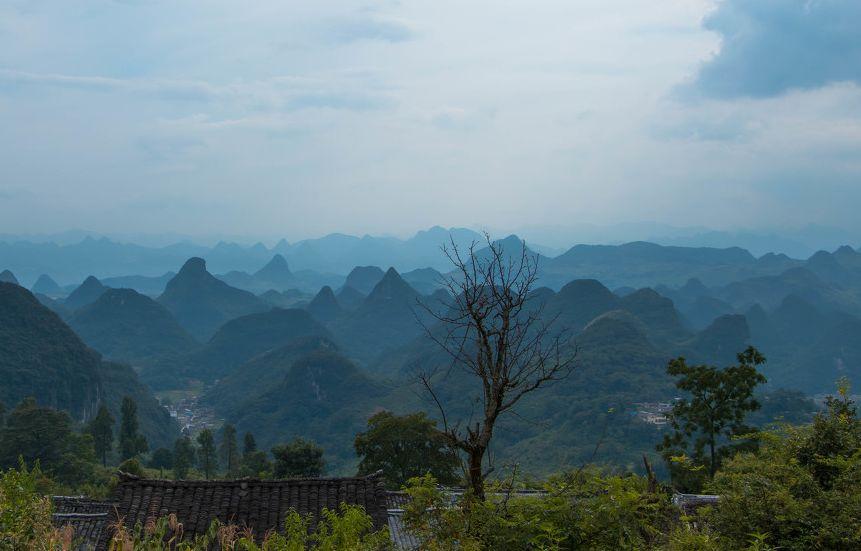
40,356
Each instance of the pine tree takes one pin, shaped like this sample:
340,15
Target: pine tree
229,451
249,445
132,442
207,458
102,430
183,457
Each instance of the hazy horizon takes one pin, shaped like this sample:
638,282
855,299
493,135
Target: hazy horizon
297,120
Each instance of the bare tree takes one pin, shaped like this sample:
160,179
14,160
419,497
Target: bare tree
494,330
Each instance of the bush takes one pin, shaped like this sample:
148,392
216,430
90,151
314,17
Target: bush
25,514
583,510
802,489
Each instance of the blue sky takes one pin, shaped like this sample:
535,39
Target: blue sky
301,118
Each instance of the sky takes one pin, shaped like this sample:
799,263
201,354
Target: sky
296,119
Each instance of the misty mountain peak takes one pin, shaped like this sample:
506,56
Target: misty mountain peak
324,306
47,286
392,286
276,266
364,278
8,277
193,266
87,293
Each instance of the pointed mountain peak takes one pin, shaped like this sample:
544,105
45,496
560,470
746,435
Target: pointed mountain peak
8,277
845,250
87,293
392,286
278,262
91,282
47,286
193,266
324,306
364,278
326,293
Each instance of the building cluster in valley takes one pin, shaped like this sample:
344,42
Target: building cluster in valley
192,416
654,413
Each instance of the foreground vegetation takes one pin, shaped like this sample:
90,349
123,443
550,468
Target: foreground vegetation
798,489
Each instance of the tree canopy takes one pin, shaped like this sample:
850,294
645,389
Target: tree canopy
405,446
298,458
708,423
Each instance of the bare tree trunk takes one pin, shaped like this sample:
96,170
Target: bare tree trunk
475,473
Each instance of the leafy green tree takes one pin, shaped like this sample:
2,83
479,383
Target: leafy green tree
229,451
25,512
801,487
207,456
101,428
183,457
131,466
713,414
2,413
404,447
161,459
42,434
256,464
132,443
249,445
299,458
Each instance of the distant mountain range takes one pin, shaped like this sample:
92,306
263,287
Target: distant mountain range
288,362
326,260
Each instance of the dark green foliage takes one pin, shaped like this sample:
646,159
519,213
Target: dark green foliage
261,374
41,357
156,424
299,458
184,456
835,437
256,464
581,510
36,433
322,396
228,451
132,442
207,456
127,326
101,428
131,466
241,339
404,447
201,303
706,422
162,458
800,488
249,445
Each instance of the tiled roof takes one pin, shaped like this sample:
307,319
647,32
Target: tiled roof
87,518
261,505
689,503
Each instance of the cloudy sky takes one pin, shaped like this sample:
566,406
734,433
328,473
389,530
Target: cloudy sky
302,118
